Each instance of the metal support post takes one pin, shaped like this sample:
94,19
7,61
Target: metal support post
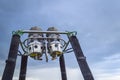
81,59
62,67
11,61
23,69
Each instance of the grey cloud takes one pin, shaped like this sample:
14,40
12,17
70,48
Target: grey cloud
97,23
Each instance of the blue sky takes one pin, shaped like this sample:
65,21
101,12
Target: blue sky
97,23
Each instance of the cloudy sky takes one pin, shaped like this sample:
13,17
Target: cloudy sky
97,23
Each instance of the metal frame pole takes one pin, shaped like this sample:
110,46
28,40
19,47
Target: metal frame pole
81,59
11,61
62,67
23,68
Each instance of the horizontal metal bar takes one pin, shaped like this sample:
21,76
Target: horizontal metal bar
50,32
42,38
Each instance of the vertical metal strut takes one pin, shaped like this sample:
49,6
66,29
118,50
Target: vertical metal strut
11,61
62,67
23,68
81,59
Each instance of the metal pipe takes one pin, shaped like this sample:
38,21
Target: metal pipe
62,67
49,32
12,56
23,68
81,59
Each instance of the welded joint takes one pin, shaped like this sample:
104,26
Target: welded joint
89,73
82,58
63,72
11,60
23,75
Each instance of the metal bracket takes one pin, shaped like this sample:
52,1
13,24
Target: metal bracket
19,32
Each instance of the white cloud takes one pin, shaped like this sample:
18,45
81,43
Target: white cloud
114,57
108,68
101,71
52,74
111,60
100,74
72,74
